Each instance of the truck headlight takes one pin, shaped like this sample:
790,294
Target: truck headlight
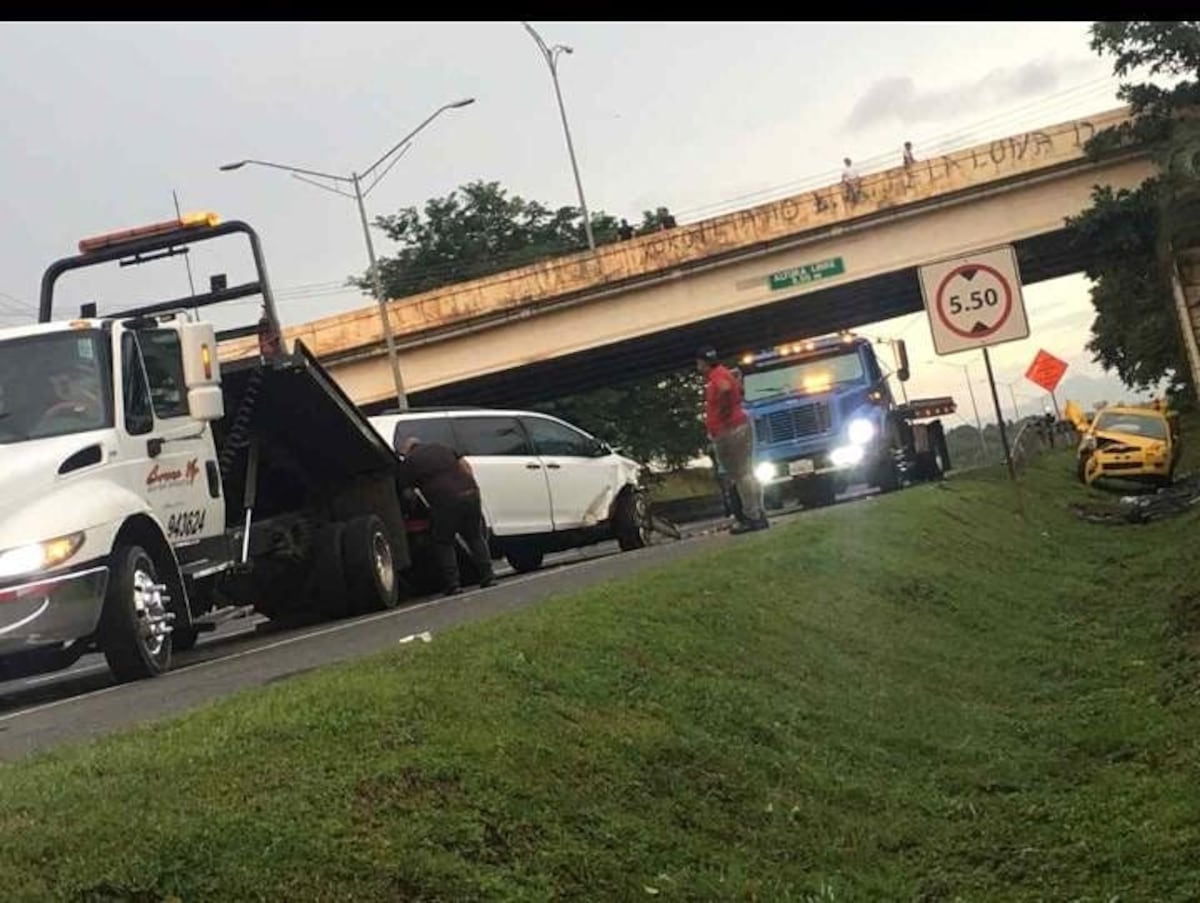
861,431
765,472
39,556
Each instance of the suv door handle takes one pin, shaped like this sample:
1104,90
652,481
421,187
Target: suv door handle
532,466
554,466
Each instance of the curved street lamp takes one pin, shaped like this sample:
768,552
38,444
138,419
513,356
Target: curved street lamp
550,54
355,179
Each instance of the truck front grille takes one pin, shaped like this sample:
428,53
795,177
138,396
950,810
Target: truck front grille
799,422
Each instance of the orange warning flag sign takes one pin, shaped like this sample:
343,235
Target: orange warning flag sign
1046,371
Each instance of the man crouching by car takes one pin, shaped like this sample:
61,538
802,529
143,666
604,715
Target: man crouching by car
445,479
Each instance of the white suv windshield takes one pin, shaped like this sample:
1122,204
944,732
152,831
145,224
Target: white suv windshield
53,385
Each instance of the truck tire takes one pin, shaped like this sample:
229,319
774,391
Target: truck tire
331,592
369,565
131,634
524,557
941,447
887,476
929,466
631,521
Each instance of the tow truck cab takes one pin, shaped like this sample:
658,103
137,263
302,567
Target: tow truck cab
824,418
150,492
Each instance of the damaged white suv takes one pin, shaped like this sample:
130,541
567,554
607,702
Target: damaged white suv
546,486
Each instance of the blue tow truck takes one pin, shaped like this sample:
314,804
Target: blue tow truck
824,418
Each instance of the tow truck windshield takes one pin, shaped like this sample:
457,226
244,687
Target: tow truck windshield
807,377
53,385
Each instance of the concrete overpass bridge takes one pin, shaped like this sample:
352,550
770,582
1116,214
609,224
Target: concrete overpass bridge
803,265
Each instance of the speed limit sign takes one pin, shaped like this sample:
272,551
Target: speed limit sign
974,301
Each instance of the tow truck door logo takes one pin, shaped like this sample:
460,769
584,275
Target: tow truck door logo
164,477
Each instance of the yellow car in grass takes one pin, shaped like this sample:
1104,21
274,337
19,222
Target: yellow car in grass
1127,442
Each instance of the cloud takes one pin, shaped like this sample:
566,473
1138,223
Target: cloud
898,99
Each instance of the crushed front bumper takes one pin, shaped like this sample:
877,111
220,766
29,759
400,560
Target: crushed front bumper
1129,465
56,608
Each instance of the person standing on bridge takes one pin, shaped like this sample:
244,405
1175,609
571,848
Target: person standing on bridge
455,507
732,437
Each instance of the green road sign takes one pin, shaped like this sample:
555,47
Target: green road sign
810,272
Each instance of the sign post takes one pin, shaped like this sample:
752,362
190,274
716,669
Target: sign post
975,301
1046,371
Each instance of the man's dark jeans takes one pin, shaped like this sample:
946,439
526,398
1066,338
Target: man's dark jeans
463,516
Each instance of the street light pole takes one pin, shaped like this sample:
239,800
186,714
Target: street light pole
380,298
966,369
551,56
355,180
1016,408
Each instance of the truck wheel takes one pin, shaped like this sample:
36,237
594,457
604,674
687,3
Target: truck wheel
928,466
524,557
941,447
369,565
887,477
631,521
329,573
135,627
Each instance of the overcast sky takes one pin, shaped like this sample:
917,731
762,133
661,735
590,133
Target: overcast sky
107,119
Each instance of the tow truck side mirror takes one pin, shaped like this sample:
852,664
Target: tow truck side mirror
201,371
901,361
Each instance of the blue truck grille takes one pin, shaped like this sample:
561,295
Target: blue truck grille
796,423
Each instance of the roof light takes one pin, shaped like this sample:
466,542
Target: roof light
123,236
747,359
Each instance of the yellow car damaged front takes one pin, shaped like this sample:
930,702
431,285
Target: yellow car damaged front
1129,443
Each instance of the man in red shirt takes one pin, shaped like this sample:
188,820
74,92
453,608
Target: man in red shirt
732,437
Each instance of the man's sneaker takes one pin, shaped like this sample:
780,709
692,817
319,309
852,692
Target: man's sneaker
487,581
453,591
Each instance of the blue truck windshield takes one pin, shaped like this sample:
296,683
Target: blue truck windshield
804,377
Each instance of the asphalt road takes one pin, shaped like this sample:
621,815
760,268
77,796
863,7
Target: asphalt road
84,701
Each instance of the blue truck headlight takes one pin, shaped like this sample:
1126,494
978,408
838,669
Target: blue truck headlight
766,471
861,431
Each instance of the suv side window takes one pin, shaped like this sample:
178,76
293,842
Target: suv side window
426,429
163,358
139,416
491,436
554,439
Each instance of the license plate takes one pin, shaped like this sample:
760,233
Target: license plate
796,468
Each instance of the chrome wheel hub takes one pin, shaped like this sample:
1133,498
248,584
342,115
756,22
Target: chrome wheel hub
381,554
150,611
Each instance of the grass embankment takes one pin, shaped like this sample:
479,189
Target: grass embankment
914,698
